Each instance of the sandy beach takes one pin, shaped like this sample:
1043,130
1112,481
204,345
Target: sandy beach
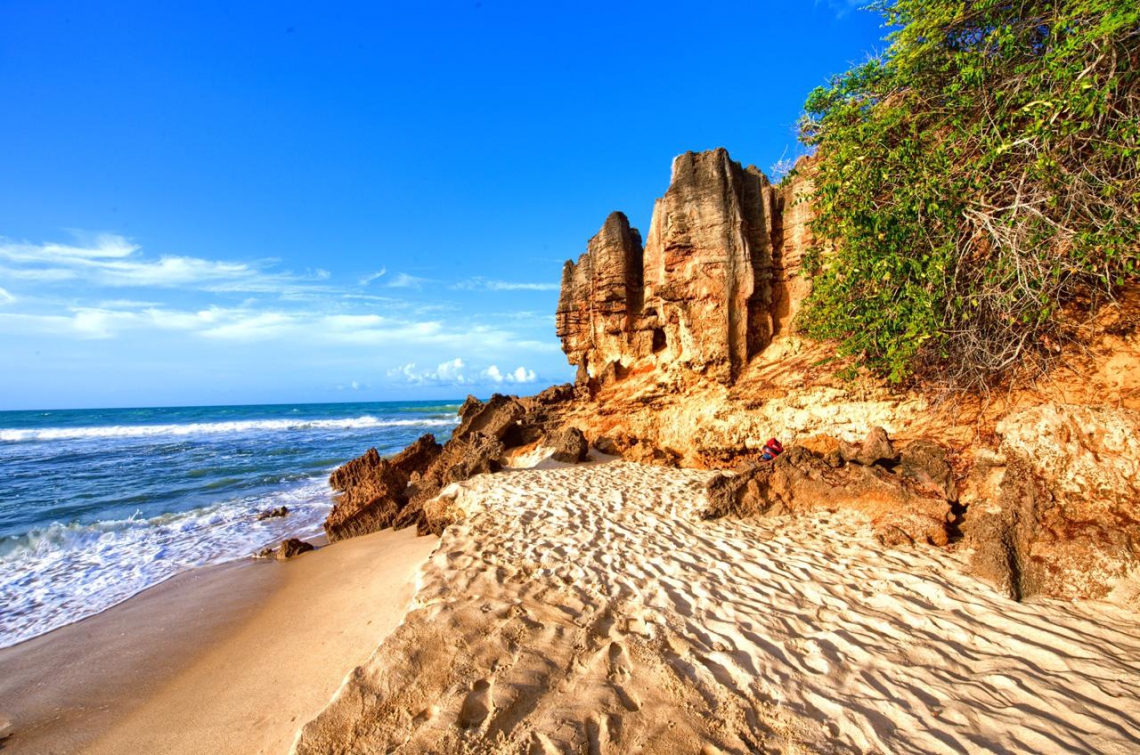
591,609
225,659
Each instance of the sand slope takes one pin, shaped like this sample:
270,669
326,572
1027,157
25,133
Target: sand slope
588,609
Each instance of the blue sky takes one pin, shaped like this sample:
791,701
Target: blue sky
251,202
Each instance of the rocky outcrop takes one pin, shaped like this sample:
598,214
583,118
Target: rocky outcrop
376,493
901,493
371,494
1054,510
280,511
719,275
418,456
497,418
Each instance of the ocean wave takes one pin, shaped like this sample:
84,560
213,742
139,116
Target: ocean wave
61,573
207,428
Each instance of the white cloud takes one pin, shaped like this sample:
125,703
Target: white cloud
6,298
113,261
448,373
484,284
373,276
403,280
519,375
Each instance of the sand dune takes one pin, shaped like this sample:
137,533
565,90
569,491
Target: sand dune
589,609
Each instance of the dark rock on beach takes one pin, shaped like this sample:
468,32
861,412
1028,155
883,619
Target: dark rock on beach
273,513
569,445
288,549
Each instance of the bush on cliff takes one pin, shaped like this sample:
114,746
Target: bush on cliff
976,180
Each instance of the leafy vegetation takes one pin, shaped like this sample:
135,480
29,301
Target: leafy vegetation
976,181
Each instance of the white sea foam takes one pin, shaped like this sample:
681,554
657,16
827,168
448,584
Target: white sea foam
59,574
365,422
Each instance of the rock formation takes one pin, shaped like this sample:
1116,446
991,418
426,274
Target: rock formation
288,549
717,278
905,495
376,493
569,445
1054,510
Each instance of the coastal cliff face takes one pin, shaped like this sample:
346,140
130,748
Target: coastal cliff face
717,277
687,355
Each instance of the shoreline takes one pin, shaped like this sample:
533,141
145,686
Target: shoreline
144,674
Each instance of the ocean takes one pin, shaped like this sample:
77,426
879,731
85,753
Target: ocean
98,505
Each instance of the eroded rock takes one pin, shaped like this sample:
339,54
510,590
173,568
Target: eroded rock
280,511
290,548
569,445
371,494
876,448
497,418
719,273
1054,511
801,479
418,456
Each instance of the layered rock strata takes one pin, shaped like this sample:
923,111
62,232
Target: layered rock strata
717,277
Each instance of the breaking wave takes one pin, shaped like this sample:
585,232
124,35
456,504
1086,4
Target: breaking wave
62,573
216,428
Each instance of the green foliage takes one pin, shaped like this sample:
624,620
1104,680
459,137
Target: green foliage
975,180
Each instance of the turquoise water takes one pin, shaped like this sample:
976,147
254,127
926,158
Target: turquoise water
97,505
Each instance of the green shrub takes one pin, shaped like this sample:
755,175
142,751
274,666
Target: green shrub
974,181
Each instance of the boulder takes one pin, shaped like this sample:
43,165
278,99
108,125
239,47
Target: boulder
372,492
876,448
288,549
801,480
1053,511
273,513
569,445
460,459
292,548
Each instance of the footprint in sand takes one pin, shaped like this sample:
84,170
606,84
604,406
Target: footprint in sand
477,705
620,668
600,733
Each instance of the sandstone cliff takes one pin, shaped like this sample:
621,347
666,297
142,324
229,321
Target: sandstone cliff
687,354
717,277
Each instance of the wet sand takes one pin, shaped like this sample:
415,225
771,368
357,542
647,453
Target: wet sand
225,659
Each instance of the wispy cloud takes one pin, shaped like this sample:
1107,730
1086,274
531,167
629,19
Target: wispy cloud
403,280
485,284
113,261
6,298
373,276
842,7
245,324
